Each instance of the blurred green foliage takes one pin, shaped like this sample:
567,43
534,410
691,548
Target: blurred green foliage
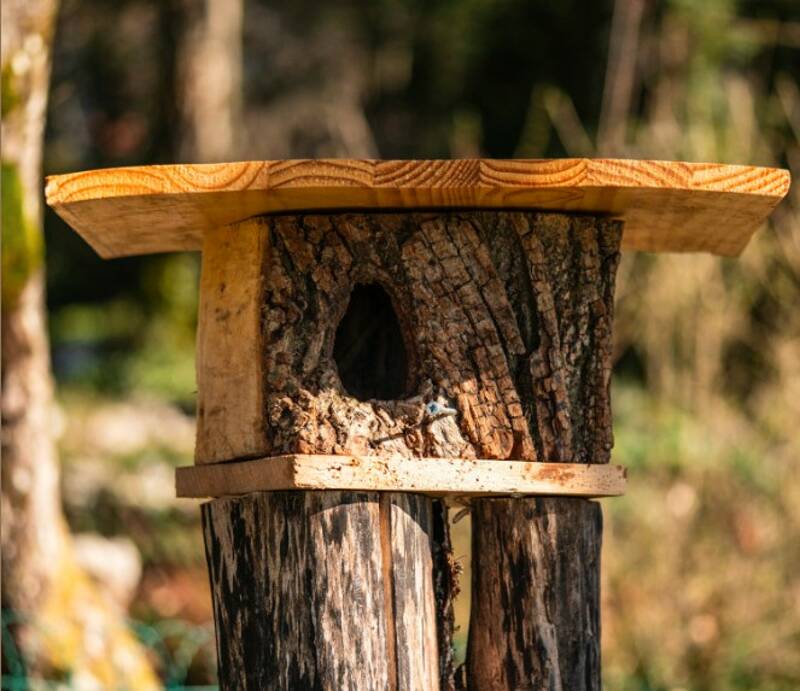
180,653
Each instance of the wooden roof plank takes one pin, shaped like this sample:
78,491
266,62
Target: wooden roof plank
667,206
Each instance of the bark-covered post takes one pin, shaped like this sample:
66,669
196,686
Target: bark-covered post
452,335
355,367
535,618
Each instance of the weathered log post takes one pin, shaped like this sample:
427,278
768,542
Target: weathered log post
355,367
320,588
535,619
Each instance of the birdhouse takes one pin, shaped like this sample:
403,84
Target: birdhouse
380,339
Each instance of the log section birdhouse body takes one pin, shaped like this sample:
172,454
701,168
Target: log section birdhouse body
461,307
376,334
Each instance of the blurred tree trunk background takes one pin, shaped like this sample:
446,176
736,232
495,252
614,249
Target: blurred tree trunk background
41,577
210,80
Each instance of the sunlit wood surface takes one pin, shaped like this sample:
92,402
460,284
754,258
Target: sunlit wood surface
438,476
667,206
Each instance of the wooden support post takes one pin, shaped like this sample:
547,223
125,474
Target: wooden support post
501,318
535,619
325,590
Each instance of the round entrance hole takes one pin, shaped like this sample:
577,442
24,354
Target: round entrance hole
369,349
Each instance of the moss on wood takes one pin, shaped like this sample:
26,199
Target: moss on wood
23,246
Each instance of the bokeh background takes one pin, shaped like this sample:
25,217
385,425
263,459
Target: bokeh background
701,570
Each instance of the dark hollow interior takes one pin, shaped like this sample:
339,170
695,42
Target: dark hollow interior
369,349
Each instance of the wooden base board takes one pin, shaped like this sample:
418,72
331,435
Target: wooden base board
437,476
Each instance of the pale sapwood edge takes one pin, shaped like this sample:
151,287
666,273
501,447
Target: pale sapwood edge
434,476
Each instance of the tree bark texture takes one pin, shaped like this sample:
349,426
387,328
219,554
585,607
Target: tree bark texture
58,607
535,618
505,319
